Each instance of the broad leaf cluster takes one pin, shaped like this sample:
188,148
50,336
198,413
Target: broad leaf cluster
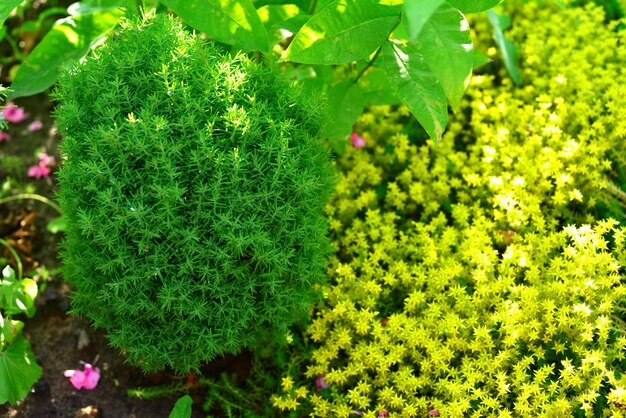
416,52
18,367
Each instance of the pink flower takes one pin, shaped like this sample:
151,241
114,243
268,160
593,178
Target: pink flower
433,413
45,159
35,126
320,383
13,114
383,413
84,380
357,141
4,137
39,171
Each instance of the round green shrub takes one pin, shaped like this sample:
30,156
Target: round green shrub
193,184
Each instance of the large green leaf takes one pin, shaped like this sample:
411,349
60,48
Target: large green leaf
313,80
376,88
18,371
274,14
6,8
416,86
68,40
20,297
480,59
344,106
273,17
234,22
10,329
25,296
182,408
92,6
446,44
344,31
17,296
474,6
416,13
508,50
295,23
320,5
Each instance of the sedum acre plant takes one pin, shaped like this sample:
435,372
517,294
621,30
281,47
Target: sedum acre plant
551,145
193,185
433,306
471,279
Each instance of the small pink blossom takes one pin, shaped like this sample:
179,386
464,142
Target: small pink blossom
383,414
320,383
35,126
13,114
45,159
433,413
84,380
357,141
39,171
4,137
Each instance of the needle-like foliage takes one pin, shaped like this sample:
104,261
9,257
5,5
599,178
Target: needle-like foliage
193,184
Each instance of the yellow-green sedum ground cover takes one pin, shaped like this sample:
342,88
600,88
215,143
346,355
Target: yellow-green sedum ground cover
483,276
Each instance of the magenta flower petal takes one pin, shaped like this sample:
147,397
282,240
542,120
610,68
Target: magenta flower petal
357,141
45,159
4,137
87,379
92,376
35,126
383,414
320,383
39,171
13,114
433,413
77,379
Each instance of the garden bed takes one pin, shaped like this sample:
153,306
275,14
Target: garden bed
473,272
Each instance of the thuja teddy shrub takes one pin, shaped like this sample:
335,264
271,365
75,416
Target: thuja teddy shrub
193,185
461,282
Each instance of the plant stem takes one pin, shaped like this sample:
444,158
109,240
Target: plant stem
32,196
369,64
376,54
312,7
17,54
18,261
620,321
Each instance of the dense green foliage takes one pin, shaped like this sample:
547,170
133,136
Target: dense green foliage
613,9
193,185
416,52
473,278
